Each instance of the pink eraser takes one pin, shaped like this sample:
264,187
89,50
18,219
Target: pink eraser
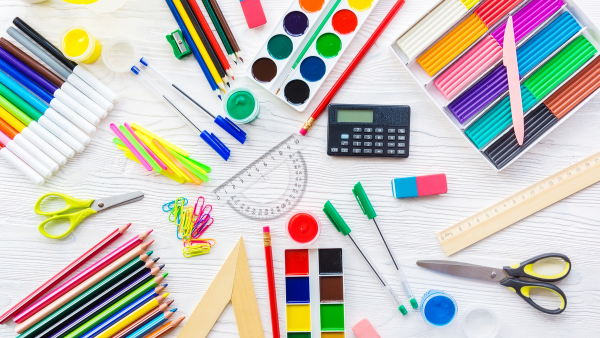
303,132
253,11
364,329
266,229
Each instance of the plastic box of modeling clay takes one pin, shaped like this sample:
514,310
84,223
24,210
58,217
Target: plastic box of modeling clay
495,108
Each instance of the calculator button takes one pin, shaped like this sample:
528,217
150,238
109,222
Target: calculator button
335,150
391,131
357,144
357,137
344,143
391,144
379,144
391,138
357,130
378,151
401,138
368,137
344,150
401,152
368,130
402,131
379,137
401,145
357,151
368,144
345,136
379,130
391,152
368,151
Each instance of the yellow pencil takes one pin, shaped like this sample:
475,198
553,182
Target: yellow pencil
167,144
132,317
162,156
199,44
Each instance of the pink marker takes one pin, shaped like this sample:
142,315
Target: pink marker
514,82
130,146
160,163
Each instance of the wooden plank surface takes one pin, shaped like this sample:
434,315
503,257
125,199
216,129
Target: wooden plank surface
570,227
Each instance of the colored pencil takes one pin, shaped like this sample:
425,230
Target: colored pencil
134,266
120,295
148,317
141,332
195,51
165,328
52,282
82,276
226,29
204,39
271,281
212,39
219,28
125,317
67,297
361,54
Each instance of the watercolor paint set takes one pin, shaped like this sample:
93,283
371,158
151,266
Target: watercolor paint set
455,53
314,293
305,46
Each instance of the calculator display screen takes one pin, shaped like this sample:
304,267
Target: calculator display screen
355,116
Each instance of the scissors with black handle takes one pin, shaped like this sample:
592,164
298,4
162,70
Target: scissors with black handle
510,276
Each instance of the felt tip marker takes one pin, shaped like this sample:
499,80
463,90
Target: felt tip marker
24,155
18,164
341,226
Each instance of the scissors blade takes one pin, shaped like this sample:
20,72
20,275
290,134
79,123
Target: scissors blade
465,270
115,201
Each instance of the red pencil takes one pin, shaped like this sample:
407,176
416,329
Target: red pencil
363,51
81,277
52,282
271,281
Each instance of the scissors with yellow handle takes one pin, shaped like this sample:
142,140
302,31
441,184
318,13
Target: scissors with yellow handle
510,276
76,210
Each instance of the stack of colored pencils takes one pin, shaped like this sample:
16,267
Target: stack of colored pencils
203,43
118,296
154,153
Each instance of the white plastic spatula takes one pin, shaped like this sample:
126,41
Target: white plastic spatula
514,83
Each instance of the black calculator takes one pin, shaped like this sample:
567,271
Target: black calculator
369,131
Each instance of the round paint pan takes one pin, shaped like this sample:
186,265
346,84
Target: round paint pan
329,45
313,68
80,45
360,5
280,47
295,23
296,92
438,308
303,227
344,21
264,70
241,105
480,322
311,6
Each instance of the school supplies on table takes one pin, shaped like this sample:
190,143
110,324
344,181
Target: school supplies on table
191,223
52,282
88,207
303,227
368,130
438,308
364,329
253,12
517,207
232,284
341,226
340,81
406,187
514,87
369,211
271,282
510,276
165,328
314,292
180,47
119,54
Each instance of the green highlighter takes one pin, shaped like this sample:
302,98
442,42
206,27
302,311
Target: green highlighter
341,226
367,209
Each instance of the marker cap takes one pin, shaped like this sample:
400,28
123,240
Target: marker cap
231,128
363,201
335,218
216,144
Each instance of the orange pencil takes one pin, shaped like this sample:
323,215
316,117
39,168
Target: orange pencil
165,328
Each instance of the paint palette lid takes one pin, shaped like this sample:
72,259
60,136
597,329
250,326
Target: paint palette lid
480,322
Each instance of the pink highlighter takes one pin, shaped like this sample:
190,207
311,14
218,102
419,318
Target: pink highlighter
253,11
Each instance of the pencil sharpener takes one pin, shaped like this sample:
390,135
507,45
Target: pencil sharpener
180,47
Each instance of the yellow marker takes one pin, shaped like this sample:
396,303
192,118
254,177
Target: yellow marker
199,44
80,46
13,121
298,318
162,141
162,156
132,317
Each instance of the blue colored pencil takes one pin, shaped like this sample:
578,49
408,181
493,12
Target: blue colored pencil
197,55
151,325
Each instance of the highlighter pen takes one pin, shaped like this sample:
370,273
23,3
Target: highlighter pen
341,226
367,209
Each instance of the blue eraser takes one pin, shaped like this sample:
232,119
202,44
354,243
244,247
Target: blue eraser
405,187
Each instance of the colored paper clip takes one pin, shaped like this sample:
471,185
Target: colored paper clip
196,250
208,241
171,205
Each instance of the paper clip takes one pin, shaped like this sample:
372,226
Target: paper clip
200,247
169,206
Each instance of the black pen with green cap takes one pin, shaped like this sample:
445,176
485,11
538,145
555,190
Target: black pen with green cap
369,211
341,226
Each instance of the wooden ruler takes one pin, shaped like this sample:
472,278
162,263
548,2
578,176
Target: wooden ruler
515,208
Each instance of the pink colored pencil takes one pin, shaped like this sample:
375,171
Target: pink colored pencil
52,282
150,152
81,277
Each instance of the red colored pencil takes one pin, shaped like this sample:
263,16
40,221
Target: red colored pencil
271,281
52,282
211,37
81,277
361,54
165,328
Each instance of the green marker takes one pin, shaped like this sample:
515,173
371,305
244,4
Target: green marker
367,209
341,226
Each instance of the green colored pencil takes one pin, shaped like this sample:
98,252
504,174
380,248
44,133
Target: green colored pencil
219,28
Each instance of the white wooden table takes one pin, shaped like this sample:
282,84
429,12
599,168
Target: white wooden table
570,227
